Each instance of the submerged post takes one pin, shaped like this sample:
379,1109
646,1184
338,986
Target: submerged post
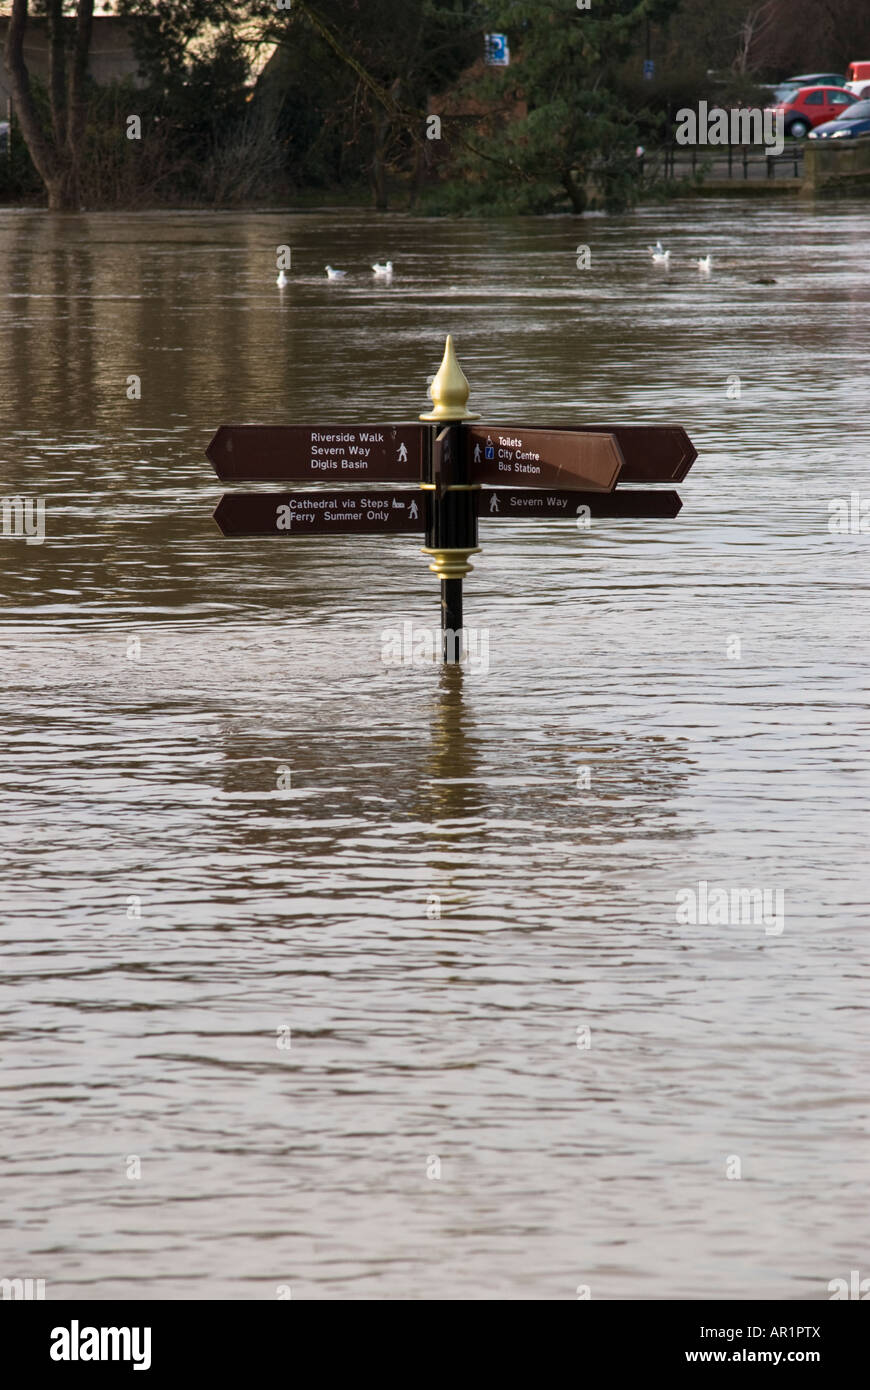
451,619
451,531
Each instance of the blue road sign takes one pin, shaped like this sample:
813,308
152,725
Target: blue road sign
498,55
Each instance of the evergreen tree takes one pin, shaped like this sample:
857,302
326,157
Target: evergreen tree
556,124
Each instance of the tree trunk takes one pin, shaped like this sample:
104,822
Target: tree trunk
379,182
60,198
383,129
378,166
41,150
576,192
77,111
419,176
422,160
57,70
56,159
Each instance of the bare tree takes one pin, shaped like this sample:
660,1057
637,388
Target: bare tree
753,28
808,35
57,154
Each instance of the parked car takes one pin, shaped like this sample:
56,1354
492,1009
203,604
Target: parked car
854,120
811,106
784,90
858,79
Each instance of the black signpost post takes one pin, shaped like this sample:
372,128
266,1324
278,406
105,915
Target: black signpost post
452,527
451,536
462,472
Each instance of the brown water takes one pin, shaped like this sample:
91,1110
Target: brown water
168,907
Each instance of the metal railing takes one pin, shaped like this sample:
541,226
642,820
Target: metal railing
722,162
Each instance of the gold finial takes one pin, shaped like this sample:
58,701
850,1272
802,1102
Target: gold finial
450,389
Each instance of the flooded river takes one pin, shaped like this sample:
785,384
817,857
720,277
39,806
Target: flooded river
337,978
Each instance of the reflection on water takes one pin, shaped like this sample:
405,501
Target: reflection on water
225,816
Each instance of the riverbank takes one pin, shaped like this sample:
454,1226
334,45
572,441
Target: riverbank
806,168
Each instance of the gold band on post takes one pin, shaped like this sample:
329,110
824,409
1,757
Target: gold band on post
452,487
451,564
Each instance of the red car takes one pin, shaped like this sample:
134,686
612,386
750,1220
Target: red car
811,106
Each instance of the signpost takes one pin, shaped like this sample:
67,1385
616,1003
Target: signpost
321,513
497,53
318,453
462,472
651,453
506,502
544,458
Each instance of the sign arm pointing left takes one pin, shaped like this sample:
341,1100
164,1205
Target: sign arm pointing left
319,513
